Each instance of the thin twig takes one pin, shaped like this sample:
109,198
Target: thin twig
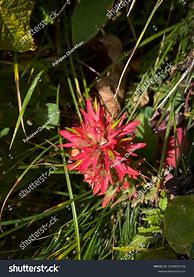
137,44
180,80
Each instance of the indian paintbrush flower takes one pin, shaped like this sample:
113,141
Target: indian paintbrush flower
101,146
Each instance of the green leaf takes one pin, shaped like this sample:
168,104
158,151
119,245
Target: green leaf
145,134
191,256
157,254
88,17
4,132
15,24
53,115
138,243
153,219
163,203
151,229
179,224
151,195
24,105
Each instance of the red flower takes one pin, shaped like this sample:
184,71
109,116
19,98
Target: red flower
173,147
104,149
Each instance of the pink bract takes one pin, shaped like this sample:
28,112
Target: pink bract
103,149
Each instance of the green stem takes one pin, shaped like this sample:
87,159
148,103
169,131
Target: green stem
73,208
74,98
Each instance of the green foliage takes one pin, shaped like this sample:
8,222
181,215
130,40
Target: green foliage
4,132
146,134
53,115
85,230
179,222
15,24
88,18
158,254
25,103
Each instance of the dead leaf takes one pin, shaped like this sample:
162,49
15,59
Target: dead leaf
144,99
106,87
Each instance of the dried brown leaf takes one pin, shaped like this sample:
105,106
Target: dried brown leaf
144,99
106,87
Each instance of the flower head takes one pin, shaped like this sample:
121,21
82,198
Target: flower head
103,149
